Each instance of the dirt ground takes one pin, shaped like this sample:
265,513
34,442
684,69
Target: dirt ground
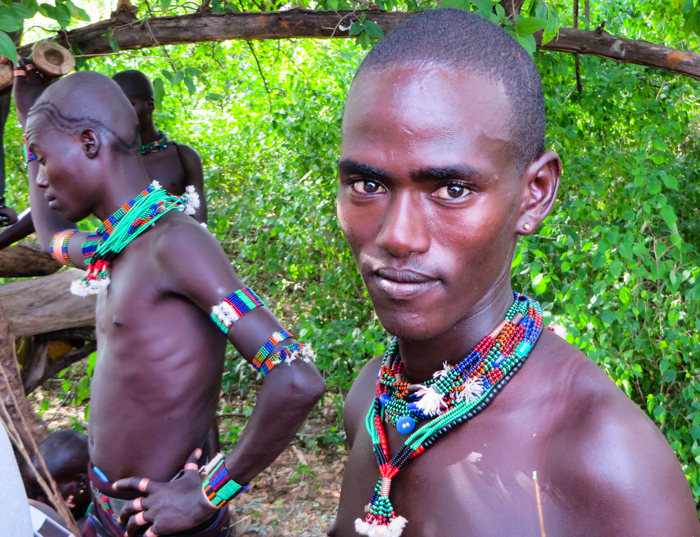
297,495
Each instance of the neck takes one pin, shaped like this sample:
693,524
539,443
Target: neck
150,133
425,357
127,180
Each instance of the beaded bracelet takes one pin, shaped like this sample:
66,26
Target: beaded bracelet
261,361
90,245
60,241
288,353
233,307
28,155
218,486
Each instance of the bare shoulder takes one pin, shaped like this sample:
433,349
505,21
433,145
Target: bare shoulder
188,154
605,452
359,399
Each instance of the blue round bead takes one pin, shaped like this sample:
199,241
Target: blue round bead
384,399
405,424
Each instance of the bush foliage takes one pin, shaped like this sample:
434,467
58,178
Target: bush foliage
616,264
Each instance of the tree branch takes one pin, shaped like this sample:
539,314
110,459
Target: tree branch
512,7
300,23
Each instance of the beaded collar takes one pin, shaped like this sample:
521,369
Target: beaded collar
157,146
127,223
454,395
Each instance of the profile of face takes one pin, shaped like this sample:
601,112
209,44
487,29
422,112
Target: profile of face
73,487
142,107
430,199
67,170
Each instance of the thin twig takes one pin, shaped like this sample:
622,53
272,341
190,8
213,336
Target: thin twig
579,85
257,62
539,503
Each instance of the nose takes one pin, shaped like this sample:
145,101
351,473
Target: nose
404,228
41,179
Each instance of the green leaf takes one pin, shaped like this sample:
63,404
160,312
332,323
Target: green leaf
687,5
530,25
355,29
158,92
193,71
458,4
551,29
168,75
484,6
625,295
191,88
78,12
10,22
528,42
113,43
213,96
25,10
164,4
669,216
670,181
177,78
373,29
7,47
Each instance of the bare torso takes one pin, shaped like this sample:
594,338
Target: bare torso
559,416
167,168
158,373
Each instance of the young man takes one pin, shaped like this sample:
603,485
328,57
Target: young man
176,166
66,455
166,292
442,168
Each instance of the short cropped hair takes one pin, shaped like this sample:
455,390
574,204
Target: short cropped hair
462,40
134,83
65,453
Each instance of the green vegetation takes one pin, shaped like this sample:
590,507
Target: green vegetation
616,264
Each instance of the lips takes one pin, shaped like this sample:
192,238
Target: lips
402,284
51,199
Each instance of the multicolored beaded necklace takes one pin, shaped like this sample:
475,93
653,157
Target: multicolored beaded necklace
115,233
454,395
157,146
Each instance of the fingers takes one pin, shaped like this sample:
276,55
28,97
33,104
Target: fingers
131,508
135,522
191,463
150,532
142,484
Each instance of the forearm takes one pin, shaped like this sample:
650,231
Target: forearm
288,395
46,222
23,228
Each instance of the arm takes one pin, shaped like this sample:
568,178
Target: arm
23,228
288,394
195,177
27,89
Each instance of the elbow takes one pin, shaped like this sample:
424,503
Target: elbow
305,386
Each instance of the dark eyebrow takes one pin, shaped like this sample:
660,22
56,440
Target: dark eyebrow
351,167
446,173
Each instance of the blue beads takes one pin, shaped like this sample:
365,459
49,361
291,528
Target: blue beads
405,424
498,361
384,399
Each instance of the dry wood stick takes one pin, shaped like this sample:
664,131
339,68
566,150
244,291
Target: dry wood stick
46,481
539,503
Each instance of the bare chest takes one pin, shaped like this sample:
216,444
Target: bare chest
166,168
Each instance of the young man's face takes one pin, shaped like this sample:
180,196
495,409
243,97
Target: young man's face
428,196
61,172
142,107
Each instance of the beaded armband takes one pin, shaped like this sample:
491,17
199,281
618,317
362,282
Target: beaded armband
59,242
264,362
218,486
90,246
28,155
233,307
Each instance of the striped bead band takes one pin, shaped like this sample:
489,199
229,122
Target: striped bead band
60,242
288,353
233,307
28,155
90,245
261,362
218,486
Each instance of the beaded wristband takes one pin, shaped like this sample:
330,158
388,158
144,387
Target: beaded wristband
60,241
218,486
233,307
288,353
28,155
90,245
261,361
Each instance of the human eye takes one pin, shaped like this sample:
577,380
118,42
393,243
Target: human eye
367,186
451,192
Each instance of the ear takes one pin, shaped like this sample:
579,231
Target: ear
540,184
82,483
150,104
91,142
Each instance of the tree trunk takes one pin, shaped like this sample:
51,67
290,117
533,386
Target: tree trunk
45,304
26,260
299,23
